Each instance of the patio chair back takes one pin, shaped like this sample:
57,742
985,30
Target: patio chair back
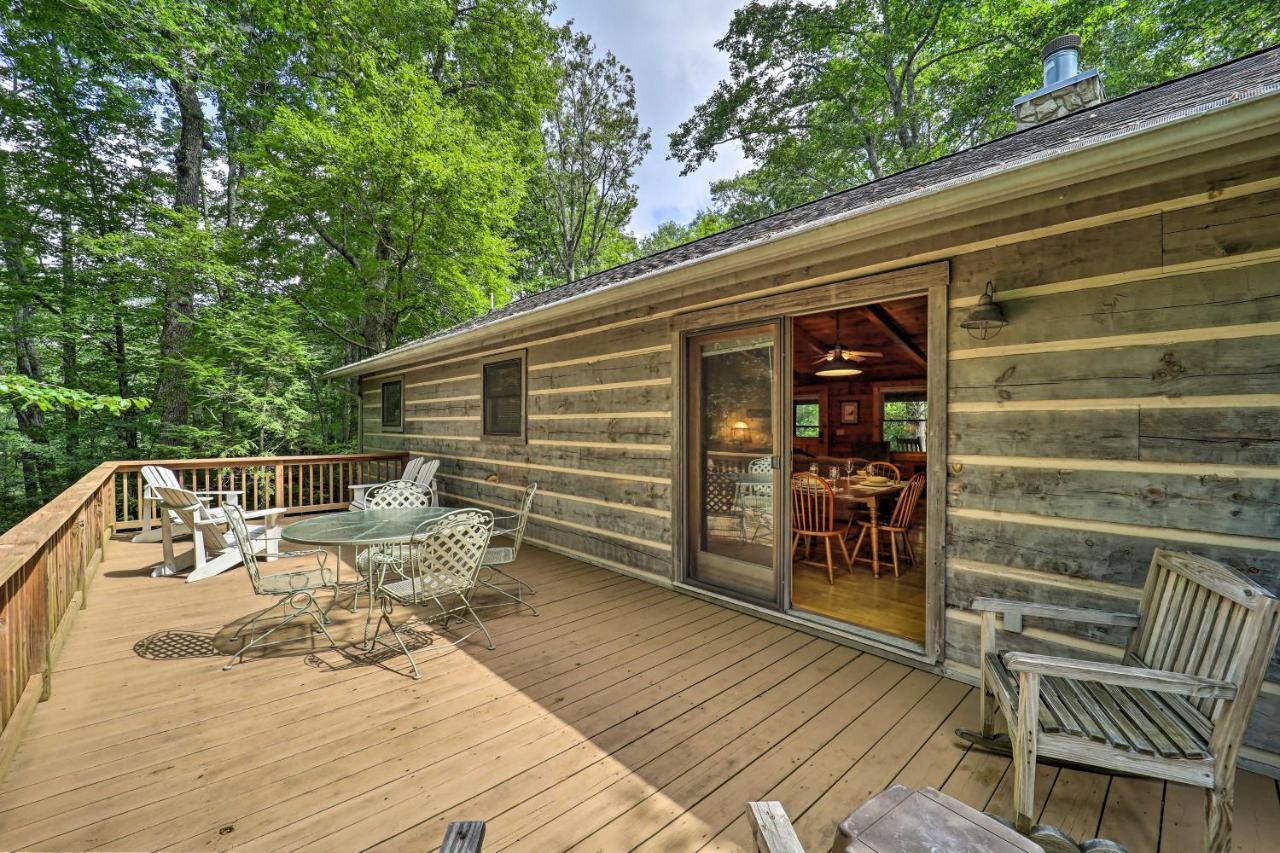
244,542
450,547
721,493
399,494
412,467
522,520
426,473
192,512
812,504
158,476
760,465
1199,617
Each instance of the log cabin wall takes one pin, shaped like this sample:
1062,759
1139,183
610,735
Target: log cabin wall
1131,402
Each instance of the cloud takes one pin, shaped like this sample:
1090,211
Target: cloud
669,45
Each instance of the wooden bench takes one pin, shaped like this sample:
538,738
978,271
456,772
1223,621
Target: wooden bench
1176,707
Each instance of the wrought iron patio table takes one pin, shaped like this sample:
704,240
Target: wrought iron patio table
361,529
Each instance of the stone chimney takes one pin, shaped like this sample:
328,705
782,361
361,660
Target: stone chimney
1066,88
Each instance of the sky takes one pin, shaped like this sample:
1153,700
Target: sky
669,45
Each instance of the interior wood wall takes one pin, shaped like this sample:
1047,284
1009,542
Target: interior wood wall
1133,401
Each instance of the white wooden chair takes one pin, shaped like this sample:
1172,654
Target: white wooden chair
418,470
214,550
155,476
1176,707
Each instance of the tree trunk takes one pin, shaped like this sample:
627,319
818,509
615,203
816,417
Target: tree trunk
120,359
172,392
70,335
30,418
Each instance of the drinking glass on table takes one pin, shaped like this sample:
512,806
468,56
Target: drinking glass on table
834,472
849,465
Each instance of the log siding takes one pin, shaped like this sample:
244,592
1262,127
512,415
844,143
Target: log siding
1132,401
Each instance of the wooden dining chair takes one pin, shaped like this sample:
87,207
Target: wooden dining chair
884,469
899,524
813,516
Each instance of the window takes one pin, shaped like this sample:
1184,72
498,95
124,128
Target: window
903,419
504,398
808,419
393,405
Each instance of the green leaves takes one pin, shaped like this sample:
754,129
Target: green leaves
826,96
21,391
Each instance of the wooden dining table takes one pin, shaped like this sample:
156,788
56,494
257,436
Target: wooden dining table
852,490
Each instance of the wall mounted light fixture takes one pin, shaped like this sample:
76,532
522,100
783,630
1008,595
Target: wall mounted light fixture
987,317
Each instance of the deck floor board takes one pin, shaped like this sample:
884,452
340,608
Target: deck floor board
624,716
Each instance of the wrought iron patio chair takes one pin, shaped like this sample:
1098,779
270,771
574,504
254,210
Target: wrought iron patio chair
397,494
296,589
445,568
497,557
756,499
720,500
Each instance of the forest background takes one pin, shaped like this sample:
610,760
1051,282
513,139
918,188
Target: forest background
205,206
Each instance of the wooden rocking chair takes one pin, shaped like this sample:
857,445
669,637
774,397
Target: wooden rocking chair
1177,706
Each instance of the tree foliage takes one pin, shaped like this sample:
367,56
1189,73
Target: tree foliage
824,96
583,196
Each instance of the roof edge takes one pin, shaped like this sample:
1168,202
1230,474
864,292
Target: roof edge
1233,112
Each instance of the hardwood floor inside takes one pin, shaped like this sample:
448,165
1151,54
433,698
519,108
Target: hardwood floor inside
625,716
889,604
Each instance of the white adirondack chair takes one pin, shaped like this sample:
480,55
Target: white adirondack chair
419,470
214,546
156,476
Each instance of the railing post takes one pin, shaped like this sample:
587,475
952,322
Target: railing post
279,484
46,677
85,559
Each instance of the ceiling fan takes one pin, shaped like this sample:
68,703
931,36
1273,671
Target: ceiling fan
841,361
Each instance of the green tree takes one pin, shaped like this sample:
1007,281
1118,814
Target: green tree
825,96
390,204
583,196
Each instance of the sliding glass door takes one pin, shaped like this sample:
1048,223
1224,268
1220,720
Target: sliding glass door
732,438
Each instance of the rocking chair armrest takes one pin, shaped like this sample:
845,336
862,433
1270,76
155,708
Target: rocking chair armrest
364,485
1054,611
1121,675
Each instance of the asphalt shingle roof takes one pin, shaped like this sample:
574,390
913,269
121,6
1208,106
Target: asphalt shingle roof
1247,77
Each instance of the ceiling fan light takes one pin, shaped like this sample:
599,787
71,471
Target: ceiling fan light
843,369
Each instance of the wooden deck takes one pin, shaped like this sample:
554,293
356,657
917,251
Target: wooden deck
624,716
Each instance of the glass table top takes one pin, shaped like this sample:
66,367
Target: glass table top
370,527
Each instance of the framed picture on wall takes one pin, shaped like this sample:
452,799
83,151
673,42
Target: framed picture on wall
849,412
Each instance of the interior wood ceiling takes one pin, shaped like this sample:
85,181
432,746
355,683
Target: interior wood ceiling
899,329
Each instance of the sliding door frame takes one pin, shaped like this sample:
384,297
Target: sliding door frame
929,280
688,461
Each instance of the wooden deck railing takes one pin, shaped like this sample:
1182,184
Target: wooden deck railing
302,483
48,559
